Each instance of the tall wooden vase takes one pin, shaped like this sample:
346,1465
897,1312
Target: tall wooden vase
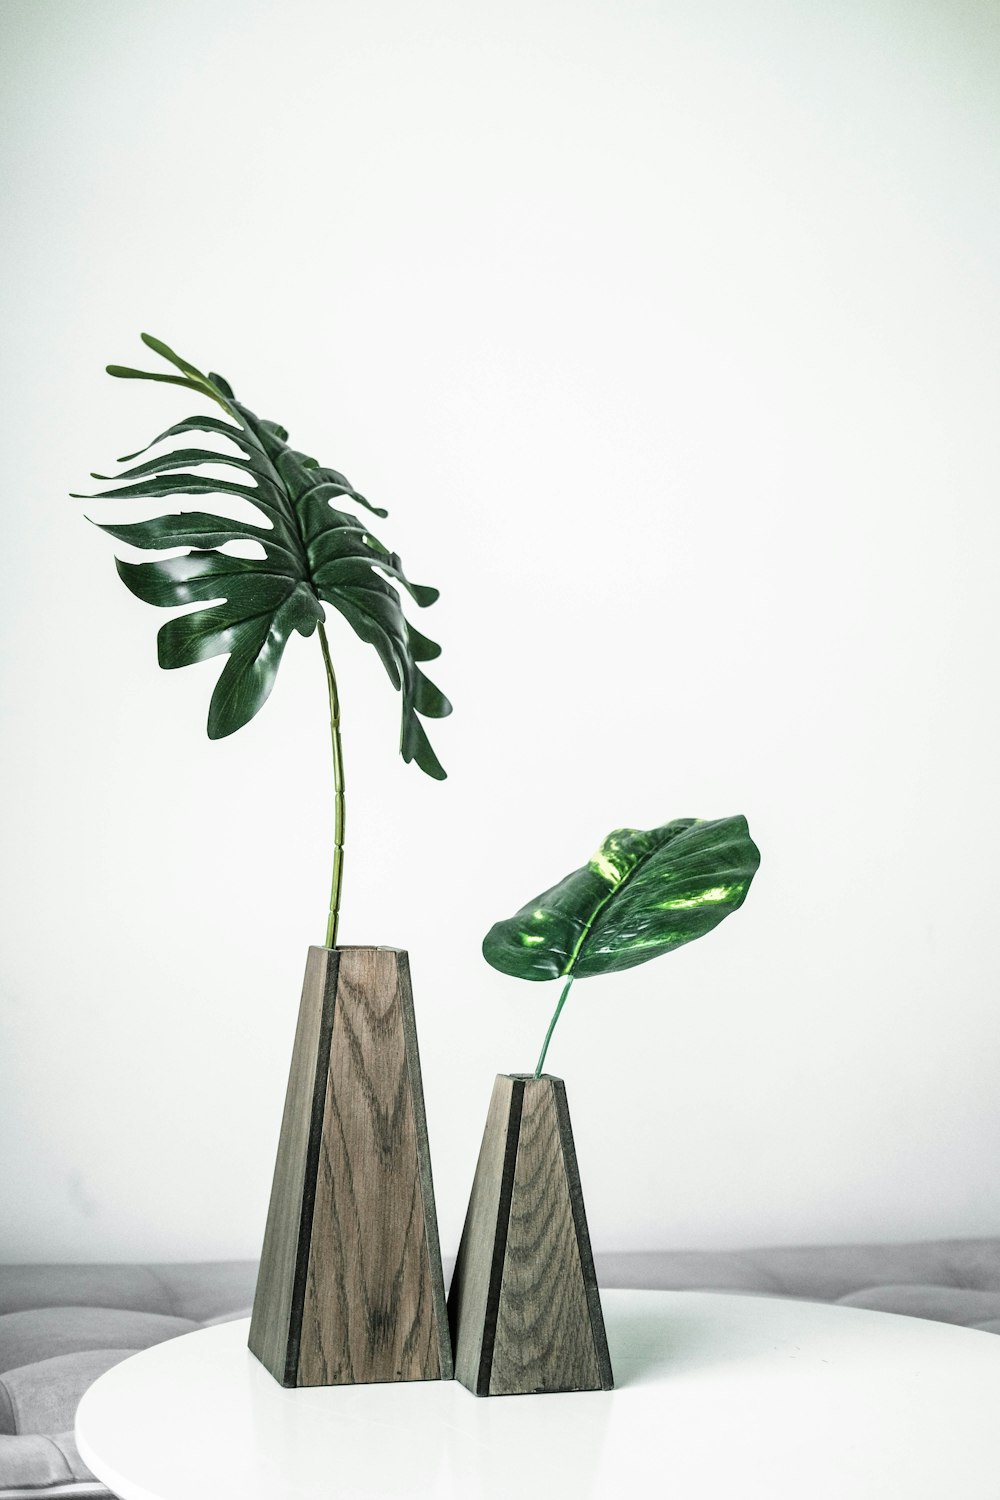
524,1306
350,1288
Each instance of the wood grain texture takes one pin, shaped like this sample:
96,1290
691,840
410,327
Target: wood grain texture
587,1268
475,1285
277,1308
442,1332
525,1309
367,1294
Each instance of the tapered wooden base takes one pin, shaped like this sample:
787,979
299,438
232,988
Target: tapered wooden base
524,1306
350,1286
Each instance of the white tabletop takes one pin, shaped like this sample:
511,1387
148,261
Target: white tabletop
716,1397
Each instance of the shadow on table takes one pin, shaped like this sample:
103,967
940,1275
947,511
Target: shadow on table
649,1344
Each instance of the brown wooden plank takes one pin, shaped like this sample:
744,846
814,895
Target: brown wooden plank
350,1287
274,1327
369,1311
526,1313
475,1286
544,1340
587,1267
433,1242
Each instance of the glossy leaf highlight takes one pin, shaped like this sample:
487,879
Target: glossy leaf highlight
642,894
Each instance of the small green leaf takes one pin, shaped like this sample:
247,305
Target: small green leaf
642,894
159,347
124,372
222,383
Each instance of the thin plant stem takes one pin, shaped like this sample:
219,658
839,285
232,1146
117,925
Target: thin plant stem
338,794
552,1026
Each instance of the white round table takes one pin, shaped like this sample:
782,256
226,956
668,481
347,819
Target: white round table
716,1396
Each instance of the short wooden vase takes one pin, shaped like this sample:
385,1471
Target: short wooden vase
524,1306
350,1288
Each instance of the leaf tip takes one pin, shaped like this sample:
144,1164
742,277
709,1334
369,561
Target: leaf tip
222,383
376,510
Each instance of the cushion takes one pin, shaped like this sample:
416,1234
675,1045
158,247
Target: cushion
945,1304
39,1333
825,1273
47,1467
43,1397
62,1326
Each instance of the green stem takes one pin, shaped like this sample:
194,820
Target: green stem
338,794
552,1026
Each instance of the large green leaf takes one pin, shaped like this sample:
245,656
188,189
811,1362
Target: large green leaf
312,552
640,895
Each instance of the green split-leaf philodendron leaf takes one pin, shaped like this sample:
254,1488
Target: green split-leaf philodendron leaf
313,554
642,894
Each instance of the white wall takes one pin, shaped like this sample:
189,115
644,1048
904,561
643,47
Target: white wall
668,335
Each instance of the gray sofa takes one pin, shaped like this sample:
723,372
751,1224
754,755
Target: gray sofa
62,1326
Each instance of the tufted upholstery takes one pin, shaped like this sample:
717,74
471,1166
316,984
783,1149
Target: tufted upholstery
953,1281
63,1326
